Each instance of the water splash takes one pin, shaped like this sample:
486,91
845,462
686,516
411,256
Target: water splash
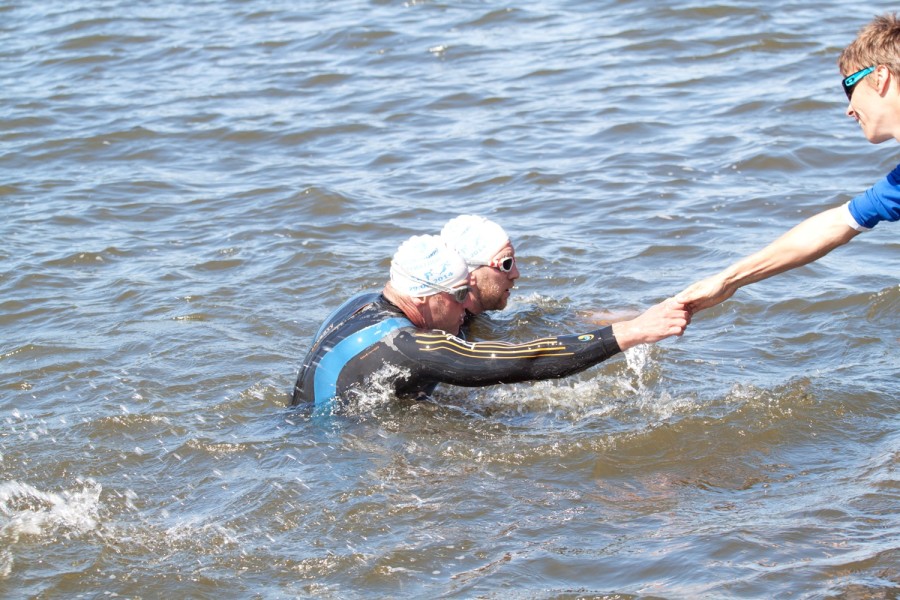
377,393
26,511
637,359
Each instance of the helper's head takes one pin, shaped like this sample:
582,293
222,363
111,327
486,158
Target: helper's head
870,66
435,279
490,257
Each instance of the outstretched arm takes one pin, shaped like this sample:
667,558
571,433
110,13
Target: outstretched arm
810,240
441,357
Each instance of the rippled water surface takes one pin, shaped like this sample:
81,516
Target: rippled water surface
187,190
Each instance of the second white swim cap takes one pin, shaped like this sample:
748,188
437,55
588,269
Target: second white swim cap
476,238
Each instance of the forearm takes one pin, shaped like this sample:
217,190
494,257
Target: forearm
810,240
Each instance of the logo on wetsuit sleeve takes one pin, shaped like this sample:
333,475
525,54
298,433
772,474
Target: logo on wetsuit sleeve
586,337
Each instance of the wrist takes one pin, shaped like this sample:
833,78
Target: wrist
732,277
610,342
625,334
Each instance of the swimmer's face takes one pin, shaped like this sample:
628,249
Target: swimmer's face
491,285
443,312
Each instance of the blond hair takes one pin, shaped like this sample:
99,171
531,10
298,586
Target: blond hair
878,43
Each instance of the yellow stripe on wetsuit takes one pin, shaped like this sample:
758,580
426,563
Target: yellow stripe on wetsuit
495,350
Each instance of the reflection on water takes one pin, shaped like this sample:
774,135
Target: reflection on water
188,193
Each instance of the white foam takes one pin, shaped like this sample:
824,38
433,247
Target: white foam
26,511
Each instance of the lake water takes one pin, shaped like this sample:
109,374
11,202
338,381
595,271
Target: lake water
188,189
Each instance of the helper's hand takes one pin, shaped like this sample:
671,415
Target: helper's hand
668,318
705,293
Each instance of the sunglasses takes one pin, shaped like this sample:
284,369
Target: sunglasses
504,264
850,81
458,293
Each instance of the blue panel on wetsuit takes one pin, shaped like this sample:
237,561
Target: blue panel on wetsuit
331,365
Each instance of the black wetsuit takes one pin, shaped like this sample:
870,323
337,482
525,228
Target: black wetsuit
368,339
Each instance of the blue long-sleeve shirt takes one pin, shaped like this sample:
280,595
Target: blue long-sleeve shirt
881,202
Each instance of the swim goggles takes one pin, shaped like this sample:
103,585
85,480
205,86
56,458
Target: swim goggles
850,81
458,293
504,264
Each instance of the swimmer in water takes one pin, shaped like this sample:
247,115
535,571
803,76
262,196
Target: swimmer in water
413,325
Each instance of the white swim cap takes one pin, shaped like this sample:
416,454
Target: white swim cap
425,259
476,238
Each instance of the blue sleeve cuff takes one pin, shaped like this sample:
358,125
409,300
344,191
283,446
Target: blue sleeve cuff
881,202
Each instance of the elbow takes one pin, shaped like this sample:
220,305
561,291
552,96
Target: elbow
845,236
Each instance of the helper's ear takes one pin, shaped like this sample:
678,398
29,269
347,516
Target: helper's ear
883,79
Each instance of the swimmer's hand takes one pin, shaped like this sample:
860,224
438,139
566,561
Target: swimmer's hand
658,322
